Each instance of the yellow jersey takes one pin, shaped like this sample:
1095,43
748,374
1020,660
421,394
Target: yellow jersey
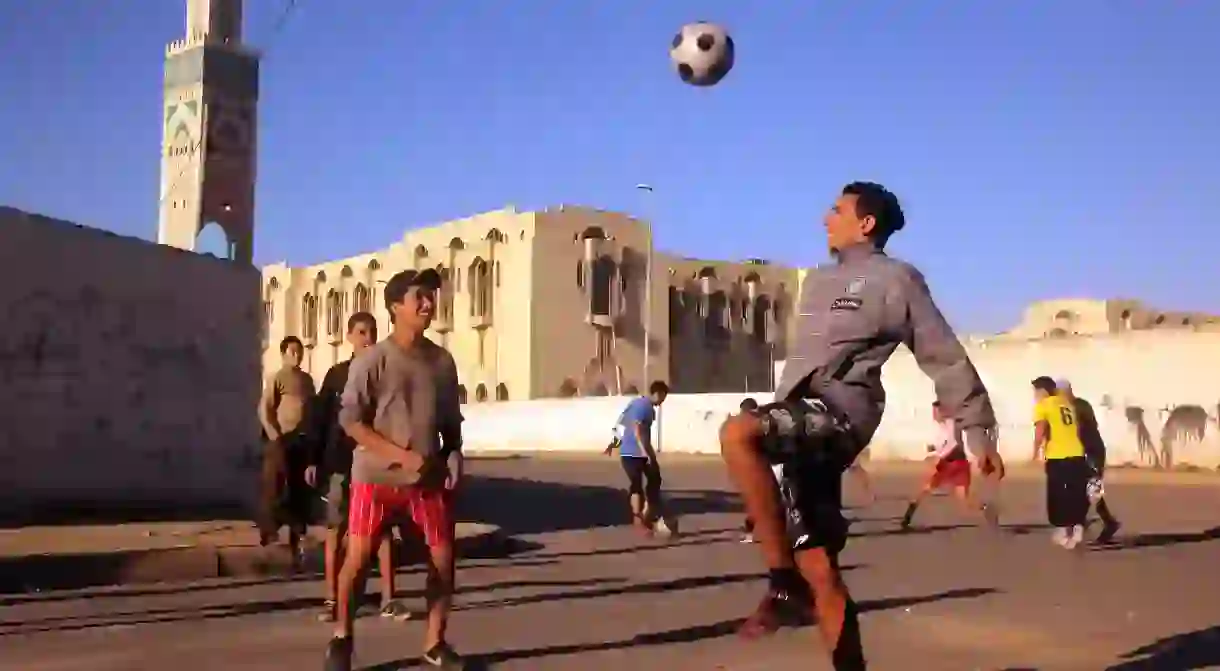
1063,441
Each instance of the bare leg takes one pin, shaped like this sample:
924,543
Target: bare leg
838,617
866,481
923,493
385,564
332,562
359,551
439,592
754,480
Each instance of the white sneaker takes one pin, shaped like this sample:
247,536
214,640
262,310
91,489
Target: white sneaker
1076,537
747,539
1059,537
661,527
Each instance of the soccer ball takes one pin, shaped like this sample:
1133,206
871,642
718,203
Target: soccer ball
702,53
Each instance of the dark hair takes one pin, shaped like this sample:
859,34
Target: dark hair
878,202
935,404
361,318
658,388
1044,383
748,405
397,287
290,341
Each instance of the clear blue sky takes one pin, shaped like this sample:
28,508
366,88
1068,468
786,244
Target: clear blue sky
1042,147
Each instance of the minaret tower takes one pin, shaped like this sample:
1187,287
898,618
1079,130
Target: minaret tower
209,145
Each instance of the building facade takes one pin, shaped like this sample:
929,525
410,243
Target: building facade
1062,318
552,303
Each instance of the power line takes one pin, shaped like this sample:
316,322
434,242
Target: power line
290,7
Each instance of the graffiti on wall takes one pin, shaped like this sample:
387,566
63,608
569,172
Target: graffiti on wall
1184,428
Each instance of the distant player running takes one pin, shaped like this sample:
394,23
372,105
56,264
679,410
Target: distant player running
951,470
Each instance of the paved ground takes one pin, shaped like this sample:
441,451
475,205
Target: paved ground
587,596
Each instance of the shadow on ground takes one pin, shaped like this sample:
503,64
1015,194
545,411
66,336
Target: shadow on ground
676,636
520,506
1182,652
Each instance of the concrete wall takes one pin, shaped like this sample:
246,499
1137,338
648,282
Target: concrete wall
1152,410
130,371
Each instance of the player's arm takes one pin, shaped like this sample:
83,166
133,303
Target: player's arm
325,411
358,405
1042,431
267,407
449,420
942,358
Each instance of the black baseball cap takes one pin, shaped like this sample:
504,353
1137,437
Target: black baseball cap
403,281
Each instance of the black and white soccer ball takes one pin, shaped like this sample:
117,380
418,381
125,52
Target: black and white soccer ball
702,53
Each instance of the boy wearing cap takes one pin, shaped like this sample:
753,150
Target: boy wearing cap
401,407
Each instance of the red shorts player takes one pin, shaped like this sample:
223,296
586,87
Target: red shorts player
951,471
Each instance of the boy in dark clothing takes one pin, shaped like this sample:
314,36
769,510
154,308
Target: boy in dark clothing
330,471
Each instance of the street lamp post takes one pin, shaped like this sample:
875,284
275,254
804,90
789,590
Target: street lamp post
645,191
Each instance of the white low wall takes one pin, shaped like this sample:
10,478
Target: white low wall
1150,407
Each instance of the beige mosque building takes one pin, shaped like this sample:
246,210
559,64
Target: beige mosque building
550,303
553,303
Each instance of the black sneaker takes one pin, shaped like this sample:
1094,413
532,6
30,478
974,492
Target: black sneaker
1108,532
442,656
339,654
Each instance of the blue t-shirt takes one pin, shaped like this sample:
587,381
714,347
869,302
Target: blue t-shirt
639,411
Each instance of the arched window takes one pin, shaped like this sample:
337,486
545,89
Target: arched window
480,393
478,286
309,318
602,285
762,322
501,392
334,313
462,394
363,299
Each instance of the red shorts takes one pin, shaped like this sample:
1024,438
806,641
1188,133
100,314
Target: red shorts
370,507
951,473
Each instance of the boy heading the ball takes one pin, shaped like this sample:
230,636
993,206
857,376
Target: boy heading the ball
852,316
401,407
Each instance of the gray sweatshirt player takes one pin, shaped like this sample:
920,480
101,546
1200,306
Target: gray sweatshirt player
411,398
852,316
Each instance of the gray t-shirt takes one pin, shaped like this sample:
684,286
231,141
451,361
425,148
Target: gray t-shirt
409,396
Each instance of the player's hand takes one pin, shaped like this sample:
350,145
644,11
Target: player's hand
311,476
993,464
408,460
455,463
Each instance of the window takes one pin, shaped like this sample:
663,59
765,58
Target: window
501,392
309,317
363,299
603,278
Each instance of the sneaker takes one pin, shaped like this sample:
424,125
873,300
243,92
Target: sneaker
442,656
1077,536
991,516
328,614
1108,531
339,654
1059,537
746,539
663,528
394,609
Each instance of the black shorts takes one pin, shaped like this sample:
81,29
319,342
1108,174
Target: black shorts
815,447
